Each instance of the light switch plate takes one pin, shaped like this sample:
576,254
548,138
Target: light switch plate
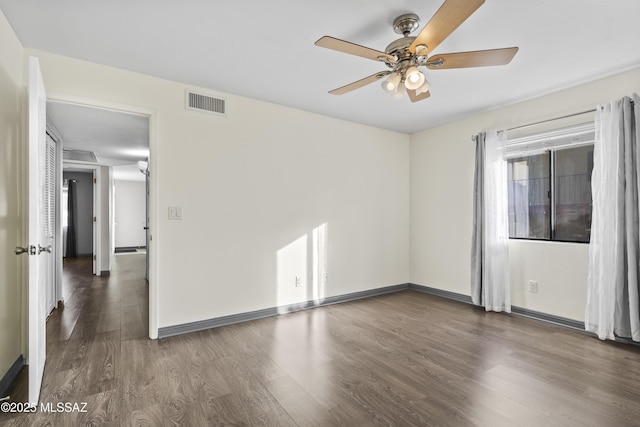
175,212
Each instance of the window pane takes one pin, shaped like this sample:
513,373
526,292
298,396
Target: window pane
65,203
573,168
529,190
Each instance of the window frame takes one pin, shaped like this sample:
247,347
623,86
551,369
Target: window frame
543,143
522,158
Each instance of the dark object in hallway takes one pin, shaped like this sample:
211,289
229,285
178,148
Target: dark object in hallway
72,203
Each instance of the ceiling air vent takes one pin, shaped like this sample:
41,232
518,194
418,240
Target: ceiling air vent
79,155
208,104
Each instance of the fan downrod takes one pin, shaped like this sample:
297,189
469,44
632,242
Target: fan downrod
406,24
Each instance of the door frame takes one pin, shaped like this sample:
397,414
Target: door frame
154,234
97,196
57,269
55,285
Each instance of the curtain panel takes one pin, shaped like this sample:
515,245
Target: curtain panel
613,307
71,250
489,244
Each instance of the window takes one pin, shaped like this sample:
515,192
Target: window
65,203
550,189
529,202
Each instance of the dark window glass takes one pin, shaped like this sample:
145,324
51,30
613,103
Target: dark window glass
572,199
529,190
531,195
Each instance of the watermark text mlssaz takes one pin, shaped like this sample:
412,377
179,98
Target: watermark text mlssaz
46,407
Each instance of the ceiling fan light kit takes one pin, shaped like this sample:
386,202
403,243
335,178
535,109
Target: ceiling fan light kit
413,78
392,83
398,94
424,87
404,55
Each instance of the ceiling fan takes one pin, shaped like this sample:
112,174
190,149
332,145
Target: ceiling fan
405,55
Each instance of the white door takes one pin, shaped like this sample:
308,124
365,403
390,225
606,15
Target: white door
38,241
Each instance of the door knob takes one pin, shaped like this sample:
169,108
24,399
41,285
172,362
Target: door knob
44,248
20,250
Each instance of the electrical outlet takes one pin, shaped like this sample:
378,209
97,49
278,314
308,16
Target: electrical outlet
298,281
533,286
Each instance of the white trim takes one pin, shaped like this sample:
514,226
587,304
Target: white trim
58,251
570,136
154,153
97,196
97,223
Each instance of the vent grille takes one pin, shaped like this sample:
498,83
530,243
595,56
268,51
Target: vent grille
79,155
209,104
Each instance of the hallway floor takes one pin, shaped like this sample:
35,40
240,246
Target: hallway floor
100,319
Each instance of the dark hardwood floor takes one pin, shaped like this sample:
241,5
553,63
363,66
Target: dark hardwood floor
400,359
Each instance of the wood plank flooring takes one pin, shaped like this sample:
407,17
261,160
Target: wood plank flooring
401,359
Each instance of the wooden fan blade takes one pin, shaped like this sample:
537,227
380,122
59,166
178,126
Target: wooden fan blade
451,14
478,58
354,49
415,98
362,82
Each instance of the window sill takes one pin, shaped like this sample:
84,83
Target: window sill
524,239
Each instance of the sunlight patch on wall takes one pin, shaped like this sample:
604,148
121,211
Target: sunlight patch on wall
301,270
320,274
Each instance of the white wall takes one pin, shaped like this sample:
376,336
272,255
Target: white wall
442,163
11,225
251,184
130,212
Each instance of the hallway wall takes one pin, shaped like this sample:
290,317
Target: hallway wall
130,211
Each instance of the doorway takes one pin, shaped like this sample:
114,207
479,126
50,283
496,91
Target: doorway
77,213
101,148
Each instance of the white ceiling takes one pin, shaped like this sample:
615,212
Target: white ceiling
117,139
265,50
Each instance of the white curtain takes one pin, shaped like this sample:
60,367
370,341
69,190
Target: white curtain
489,248
614,256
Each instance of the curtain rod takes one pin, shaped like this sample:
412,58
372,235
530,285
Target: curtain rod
593,110
553,119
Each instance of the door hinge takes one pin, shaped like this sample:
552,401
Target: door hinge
95,181
94,219
94,258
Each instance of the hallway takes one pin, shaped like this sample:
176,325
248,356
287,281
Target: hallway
86,337
101,304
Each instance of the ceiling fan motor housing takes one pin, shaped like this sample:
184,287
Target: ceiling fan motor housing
400,47
405,59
